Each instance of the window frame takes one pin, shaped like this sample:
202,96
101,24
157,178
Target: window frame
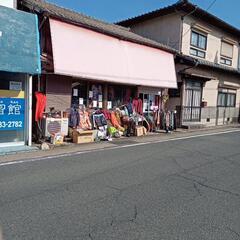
226,96
223,61
198,34
224,56
199,50
197,53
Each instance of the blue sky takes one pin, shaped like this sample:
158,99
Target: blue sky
114,10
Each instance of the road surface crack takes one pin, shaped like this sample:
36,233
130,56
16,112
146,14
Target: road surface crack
90,236
233,231
135,214
197,189
210,187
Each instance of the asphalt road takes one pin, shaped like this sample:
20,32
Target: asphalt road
177,190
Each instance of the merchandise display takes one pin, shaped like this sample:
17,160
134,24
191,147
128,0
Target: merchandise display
125,116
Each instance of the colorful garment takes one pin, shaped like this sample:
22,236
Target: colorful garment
115,122
84,122
40,105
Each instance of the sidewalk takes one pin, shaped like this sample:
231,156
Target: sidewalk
74,148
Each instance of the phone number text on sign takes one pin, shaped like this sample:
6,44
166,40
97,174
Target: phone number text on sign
11,124
12,114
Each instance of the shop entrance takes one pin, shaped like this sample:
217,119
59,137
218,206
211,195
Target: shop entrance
13,116
150,102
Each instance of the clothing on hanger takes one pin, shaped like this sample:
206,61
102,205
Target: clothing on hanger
137,105
40,105
74,118
84,122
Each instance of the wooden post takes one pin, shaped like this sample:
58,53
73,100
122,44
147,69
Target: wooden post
105,96
87,96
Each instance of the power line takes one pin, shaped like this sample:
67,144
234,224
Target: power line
211,5
196,7
213,2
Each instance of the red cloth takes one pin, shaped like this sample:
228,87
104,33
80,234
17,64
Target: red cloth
40,105
138,105
107,114
135,104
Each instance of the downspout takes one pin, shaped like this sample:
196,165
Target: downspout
184,69
181,35
42,23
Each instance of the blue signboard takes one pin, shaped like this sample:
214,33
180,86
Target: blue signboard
12,114
19,42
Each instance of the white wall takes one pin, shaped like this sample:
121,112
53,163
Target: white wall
8,3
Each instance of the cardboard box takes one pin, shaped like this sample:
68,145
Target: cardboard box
140,131
144,131
83,136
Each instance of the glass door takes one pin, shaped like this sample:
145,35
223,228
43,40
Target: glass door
12,109
149,102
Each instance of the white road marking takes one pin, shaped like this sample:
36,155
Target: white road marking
115,147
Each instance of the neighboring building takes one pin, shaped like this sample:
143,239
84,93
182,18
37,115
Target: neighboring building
90,62
207,64
19,60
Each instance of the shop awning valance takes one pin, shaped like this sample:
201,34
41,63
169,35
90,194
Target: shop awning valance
19,42
88,54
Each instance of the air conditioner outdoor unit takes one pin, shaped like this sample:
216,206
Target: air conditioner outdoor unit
53,126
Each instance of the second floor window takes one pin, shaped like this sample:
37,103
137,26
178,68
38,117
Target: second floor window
226,53
198,44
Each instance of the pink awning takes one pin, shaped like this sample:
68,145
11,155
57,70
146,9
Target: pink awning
88,54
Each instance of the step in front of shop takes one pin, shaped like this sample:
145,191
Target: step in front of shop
16,149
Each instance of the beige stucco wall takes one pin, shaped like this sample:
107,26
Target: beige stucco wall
165,29
213,40
210,93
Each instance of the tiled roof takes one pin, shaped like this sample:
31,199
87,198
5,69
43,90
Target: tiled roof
202,62
54,11
217,66
187,7
120,32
